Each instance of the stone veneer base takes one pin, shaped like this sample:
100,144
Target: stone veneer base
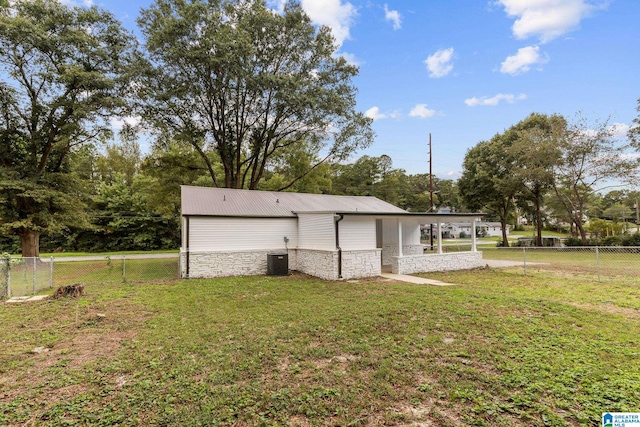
436,262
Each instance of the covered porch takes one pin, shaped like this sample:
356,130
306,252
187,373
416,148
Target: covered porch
398,238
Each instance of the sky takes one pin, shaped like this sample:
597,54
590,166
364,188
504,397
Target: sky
464,70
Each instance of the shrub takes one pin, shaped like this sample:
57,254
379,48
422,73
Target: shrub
631,240
573,241
611,241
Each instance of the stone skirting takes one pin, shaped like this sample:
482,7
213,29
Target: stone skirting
436,262
221,264
364,263
390,251
322,264
318,263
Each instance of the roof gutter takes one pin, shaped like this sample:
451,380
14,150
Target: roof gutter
340,218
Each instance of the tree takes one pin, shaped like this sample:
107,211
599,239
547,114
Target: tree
634,130
61,81
536,150
589,158
488,182
236,78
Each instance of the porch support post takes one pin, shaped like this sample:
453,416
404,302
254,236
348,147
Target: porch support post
473,236
439,229
399,237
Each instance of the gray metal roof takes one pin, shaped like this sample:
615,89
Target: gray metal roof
232,202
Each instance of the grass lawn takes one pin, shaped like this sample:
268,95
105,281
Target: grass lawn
498,349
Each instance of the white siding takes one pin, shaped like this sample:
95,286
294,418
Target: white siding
357,233
411,232
233,234
389,231
317,231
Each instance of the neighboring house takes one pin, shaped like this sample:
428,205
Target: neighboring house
456,229
228,232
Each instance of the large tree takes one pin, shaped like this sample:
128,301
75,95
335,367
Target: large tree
61,80
488,182
591,159
239,79
536,152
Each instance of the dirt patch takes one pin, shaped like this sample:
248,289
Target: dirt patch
87,335
631,313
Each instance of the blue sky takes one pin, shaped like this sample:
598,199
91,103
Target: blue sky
464,70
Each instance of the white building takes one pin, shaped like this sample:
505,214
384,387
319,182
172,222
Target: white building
228,232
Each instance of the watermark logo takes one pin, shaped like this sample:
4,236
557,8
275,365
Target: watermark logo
621,419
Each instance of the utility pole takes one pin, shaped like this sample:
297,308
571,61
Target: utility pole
431,190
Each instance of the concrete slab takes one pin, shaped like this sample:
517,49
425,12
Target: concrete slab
27,298
414,279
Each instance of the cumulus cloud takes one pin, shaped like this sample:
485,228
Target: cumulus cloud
619,130
334,14
546,19
421,111
118,123
523,60
392,16
454,173
350,58
375,114
495,100
439,64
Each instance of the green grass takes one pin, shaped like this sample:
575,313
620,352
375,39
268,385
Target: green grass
608,261
498,349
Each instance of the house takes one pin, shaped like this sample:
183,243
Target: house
460,229
229,232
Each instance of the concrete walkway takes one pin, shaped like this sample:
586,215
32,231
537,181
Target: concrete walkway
414,279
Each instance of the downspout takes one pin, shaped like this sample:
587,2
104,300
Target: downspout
187,244
341,217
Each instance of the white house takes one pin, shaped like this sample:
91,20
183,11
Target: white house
228,232
457,229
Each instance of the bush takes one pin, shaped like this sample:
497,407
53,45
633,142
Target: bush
611,241
631,240
463,234
573,241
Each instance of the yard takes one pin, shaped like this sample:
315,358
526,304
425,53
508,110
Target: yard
501,348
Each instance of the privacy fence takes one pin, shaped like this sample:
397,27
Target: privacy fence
598,261
25,276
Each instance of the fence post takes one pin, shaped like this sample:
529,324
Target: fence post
8,277
524,258
51,274
124,268
598,262
34,275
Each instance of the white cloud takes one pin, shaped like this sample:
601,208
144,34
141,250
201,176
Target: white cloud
375,114
392,16
522,61
454,173
421,110
439,64
350,58
507,97
546,19
277,5
332,13
619,130
118,123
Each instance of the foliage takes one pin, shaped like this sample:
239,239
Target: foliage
235,78
589,157
62,80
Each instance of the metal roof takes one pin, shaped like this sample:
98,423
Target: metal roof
253,203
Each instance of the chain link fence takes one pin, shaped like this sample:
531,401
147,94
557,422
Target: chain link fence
26,276
599,261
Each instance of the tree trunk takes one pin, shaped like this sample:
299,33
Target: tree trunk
30,242
505,241
538,222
